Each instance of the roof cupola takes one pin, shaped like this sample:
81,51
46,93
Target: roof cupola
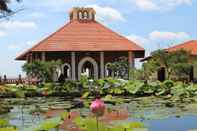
82,14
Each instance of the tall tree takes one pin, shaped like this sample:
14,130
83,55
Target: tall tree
148,68
42,70
119,68
176,63
4,9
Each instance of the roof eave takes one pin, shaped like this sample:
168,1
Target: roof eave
22,56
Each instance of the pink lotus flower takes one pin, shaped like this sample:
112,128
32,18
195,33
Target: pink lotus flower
98,107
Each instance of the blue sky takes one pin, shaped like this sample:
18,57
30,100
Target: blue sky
152,24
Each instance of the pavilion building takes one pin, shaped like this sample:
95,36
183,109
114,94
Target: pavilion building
83,44
191,47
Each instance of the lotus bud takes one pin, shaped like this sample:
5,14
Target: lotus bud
98,107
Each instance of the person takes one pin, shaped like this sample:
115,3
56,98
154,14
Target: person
20,79
5,79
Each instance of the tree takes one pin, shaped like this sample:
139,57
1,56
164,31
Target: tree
119,68
42,70
175,63
4,9
149,68
182,70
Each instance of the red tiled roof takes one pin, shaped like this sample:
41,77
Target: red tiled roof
84,36
190,46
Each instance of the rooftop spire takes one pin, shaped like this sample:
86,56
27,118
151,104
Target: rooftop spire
82,14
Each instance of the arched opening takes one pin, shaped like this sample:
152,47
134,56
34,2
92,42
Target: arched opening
80,15
85,15
191,73
108,71
161,74
57,74
89,67
66,71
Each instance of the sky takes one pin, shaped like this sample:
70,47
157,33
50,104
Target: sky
152,24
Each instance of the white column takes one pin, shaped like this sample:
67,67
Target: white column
130,62
102,64
73,64
43,56
131,59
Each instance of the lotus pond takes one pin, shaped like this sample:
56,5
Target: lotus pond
157,114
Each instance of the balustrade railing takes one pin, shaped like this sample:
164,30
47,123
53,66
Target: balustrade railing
18,80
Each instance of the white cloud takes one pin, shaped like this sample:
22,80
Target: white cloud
14,25
146,5
30,43
53,3
138,39
172,3
158,39
150,5
2,34
107,13
13,47
159,36
37,15
21,46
